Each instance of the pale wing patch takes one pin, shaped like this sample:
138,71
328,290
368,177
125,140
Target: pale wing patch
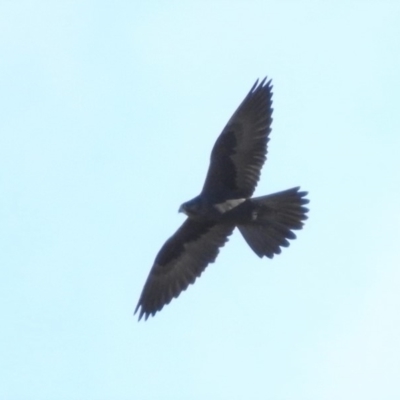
228,205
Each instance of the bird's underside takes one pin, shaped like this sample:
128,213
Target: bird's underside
225,202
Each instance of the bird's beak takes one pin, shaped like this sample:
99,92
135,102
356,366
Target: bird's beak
182,209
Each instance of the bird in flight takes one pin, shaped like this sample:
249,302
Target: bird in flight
224,203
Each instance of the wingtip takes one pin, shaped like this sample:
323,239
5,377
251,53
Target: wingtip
254,86
144,313
141,312
263,83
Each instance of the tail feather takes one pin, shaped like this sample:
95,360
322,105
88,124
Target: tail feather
273,219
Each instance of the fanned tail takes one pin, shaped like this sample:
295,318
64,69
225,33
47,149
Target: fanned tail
274,217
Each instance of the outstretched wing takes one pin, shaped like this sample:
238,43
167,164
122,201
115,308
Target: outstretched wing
240,151
180,261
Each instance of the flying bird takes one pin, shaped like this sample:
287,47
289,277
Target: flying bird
224,203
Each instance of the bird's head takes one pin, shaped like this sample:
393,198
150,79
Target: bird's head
191,208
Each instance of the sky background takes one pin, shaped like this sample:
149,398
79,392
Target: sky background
109,111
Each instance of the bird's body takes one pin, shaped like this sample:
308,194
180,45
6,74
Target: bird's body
224,203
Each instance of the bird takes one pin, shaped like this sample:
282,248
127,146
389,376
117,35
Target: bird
225,203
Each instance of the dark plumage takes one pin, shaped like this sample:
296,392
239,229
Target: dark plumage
224,203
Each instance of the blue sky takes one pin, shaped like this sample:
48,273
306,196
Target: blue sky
109,113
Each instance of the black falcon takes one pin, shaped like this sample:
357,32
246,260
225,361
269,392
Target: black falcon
224,203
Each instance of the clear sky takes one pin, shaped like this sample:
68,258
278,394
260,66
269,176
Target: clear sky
109,111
